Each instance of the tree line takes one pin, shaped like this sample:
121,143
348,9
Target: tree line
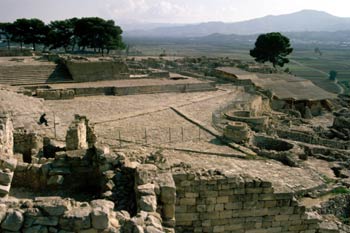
70,34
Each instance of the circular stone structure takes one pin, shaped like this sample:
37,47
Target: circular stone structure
237,131
256,123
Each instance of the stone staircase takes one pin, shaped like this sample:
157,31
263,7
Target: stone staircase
33,74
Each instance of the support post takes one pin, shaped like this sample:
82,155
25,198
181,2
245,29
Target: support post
145,136
120,139
169,134
182,133
54,124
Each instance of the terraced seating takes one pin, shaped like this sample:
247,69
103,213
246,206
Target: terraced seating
33,74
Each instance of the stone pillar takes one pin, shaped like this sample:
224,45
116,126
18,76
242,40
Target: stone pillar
79,134
6,136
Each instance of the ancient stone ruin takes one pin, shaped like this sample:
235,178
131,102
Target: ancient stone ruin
171,145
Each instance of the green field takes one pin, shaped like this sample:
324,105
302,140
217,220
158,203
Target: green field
308,64
304,61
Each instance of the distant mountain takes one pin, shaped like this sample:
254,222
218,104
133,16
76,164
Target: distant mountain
340,39
306,20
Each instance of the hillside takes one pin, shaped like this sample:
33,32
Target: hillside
306,20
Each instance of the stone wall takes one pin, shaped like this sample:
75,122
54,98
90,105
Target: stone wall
218,203
55,94
102,172
156,194
7,168
54,214
87,71
61,94
312,139
64,172
27,143
191,87
6,136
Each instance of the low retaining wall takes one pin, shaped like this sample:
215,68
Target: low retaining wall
217,203
49,214
70,93
308,138
179,88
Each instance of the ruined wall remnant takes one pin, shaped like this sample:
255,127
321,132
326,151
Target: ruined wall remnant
55,213
55,94
7,161
218,203
6,135
7,168
156,195
27,143
79,134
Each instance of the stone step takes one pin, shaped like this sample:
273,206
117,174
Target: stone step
22,75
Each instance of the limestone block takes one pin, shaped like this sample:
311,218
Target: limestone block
145,173
53,206
13,221
114,222
5,177
152,220
167,188
122,216
105,205
148,203
46,221
169,211
146,189
36,229
76,219
188,201
100,219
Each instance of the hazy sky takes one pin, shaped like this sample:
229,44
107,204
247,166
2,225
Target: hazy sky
164,11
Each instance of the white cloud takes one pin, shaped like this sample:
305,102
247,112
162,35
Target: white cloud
164,11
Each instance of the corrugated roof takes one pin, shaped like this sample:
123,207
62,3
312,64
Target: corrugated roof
233,70
238,73
283,86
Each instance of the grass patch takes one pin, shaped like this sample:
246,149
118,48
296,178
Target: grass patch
327,180
341,190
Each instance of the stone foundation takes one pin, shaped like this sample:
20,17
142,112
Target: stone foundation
219,203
